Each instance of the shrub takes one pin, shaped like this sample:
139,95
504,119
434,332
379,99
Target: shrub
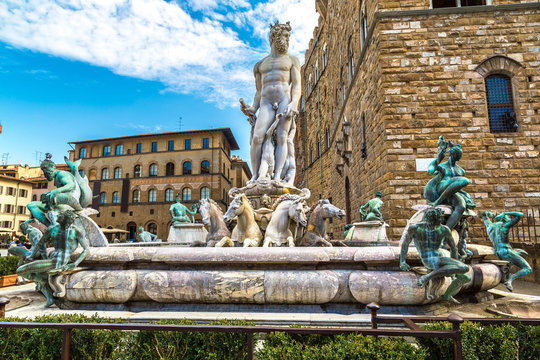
8,265
529,342
480,342
189,345
336,347
47,343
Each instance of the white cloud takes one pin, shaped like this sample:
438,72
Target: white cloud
301,14
158,40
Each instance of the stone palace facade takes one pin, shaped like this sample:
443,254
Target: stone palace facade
384,79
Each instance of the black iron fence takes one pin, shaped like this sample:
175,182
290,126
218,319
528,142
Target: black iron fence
402,326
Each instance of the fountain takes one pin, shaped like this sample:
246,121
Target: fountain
277,257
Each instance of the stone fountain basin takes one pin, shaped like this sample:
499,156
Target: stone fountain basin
260,276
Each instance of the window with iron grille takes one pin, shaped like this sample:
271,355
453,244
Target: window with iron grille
502,117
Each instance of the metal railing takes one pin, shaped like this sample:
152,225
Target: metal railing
410,323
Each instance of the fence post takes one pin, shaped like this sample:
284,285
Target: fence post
66,344
373,307
249,346
458,346
3,302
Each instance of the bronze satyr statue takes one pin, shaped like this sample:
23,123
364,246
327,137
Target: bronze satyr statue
446,188
429,236
498,234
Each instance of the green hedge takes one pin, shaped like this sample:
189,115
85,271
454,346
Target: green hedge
8,265
45,344
485,342
149,345
337,347
479,342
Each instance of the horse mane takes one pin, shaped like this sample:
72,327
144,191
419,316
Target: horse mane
218,208
319,202
286,197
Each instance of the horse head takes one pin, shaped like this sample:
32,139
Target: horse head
330,211
236,208
297,212
204,210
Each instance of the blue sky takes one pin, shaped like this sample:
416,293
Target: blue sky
75,69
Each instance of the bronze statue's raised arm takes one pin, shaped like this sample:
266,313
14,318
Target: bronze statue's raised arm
515,217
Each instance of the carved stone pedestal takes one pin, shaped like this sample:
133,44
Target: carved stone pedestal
187,234
367,233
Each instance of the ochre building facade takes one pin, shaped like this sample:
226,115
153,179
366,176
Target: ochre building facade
15,194
384,79
135,179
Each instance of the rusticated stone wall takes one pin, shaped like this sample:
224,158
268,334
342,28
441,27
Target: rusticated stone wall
421,75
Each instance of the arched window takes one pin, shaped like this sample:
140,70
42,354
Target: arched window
312,159
152,195
136,196
137,171
107,150
104,174
186,168
350,55
152,228
116,197
186,194
309,84
342,88
103,198
169,169
34,197
363,28
82,153
117,173
205,167
153,170
169,195
205,192
316,71
324,56
500,104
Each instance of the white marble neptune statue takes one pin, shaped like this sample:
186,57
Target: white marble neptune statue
278,91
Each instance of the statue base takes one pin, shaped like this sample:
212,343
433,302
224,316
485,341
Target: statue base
166,277
187,234
263,193
368,233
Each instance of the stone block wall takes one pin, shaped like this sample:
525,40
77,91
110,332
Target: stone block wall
419,76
